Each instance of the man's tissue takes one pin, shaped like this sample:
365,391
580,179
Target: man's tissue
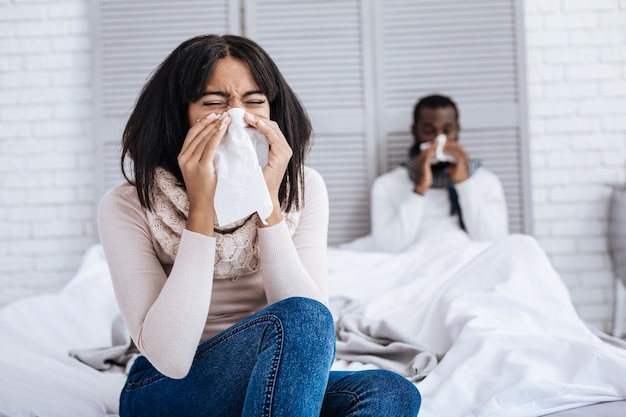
440,156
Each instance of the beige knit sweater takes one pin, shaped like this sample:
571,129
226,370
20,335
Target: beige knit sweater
170,309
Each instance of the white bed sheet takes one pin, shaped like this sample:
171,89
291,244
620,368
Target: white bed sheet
37,376
513,343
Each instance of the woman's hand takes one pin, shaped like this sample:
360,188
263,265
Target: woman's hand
280,154
196,161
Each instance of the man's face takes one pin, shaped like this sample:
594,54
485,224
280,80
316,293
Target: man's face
433,122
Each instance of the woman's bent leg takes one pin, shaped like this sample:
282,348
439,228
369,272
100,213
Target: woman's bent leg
370,394
274,363
304,351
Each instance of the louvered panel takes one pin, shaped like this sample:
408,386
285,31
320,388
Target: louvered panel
501,90
339,159
111,170
318,48
132,39
398,144
464,48
499,152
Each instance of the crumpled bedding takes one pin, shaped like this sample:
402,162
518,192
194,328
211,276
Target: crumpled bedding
120,355
496,317
498,314
375,344
37,375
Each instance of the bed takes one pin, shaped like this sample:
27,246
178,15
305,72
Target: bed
485,371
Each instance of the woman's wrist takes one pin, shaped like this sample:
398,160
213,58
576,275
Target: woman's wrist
274,218
201,220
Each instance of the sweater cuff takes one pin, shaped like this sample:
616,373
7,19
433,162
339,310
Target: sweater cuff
196,251
275,242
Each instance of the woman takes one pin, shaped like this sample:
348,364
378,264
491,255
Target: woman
230,321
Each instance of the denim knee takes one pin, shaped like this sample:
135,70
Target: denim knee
306,322
370,393
401,394
305,311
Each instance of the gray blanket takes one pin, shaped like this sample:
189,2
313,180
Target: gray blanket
359,340
117,357
375,342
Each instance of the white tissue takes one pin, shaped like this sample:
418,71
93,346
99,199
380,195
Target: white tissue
239,158
440,156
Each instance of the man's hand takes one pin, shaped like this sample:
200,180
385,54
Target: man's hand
459,170
422,174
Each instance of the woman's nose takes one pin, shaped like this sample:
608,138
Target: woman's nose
234,102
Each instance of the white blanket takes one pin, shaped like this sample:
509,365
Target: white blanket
37,376
513,343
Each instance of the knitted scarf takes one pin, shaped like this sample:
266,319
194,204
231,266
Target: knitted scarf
237,251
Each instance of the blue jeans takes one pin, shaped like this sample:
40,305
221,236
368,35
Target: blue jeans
274,363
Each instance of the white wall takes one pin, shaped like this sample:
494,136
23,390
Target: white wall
46,198
577,106
576,59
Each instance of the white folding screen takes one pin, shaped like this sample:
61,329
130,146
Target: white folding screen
358,66
131,38
319,47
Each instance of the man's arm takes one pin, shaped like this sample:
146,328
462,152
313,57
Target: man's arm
396,212
483,206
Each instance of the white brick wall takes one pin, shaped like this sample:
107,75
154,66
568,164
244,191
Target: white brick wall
46,188
576,56
576,71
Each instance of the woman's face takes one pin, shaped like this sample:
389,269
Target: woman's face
231,85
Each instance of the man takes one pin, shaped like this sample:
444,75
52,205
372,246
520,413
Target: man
439,190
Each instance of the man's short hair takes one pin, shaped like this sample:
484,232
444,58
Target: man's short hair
434,101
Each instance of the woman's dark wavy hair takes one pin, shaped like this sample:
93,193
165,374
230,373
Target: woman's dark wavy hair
156,129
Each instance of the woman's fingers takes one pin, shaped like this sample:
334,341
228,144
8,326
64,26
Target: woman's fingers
205,133
210,146
275,138
196,129
196,160
279,153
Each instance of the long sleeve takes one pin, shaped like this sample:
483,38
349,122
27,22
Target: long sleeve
170,311
483,206
297,266
396,211
165,314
